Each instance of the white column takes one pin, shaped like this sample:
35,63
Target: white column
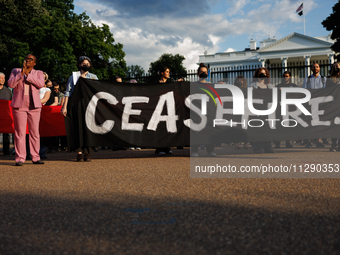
331,58
263,62
284,63
307,63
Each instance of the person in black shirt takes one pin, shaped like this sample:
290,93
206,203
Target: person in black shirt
53,100
286,83
334,80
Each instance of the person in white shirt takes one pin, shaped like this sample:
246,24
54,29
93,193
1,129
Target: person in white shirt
315,81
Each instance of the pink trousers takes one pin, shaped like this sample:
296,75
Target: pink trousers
21,117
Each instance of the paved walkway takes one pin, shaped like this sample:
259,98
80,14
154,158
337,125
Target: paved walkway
134,202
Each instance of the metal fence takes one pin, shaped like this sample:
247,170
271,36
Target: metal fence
228,75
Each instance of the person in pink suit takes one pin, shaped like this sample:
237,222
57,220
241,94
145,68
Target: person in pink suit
26,108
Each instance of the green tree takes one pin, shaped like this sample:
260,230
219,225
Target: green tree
58,36
174,62
332,23
15,20
135,71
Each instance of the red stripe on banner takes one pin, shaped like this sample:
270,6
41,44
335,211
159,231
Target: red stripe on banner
6,117
51,121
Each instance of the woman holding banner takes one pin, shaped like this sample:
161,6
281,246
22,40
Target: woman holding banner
84,65
334,80
261,80
164,76
202,73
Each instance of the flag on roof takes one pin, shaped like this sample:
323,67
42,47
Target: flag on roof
300,10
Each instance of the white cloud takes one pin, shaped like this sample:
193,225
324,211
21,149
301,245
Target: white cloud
146,37
230,50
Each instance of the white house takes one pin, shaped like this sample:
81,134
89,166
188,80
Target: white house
295,52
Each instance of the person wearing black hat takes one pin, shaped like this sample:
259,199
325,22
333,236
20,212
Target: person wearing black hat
84,65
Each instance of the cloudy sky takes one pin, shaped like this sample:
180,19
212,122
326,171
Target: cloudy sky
149,28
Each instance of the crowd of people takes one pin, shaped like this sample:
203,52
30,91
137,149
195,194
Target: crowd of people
29,89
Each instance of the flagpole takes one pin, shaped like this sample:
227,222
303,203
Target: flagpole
304,23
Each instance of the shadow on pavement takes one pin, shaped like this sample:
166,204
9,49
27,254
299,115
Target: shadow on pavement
32,224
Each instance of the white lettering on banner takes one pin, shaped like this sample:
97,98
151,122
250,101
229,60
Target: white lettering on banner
247,112
170,119
167,101
90,119
128,101
188,122
220,110
262,112
314,103
237,95
204,101
296,101
295,115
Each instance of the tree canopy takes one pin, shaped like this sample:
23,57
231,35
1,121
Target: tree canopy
174,62
57,36
332,23
135,71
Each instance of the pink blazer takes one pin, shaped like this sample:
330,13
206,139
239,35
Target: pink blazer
17,82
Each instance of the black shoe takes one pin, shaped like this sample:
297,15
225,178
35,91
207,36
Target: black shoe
87,158
39,162
268,150
333,149
19,163
289,145
308,145
320,145
257,150
80,158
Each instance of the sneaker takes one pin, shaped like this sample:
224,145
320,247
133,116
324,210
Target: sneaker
169,152
212,154
38,162
19,163
332,149
87,158
161,153
194,155
80,158
132,148
320,145
138,148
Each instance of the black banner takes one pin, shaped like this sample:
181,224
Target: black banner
175,114
126,114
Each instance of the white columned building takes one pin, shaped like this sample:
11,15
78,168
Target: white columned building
295,50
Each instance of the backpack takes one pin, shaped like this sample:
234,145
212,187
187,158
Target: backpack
309,82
